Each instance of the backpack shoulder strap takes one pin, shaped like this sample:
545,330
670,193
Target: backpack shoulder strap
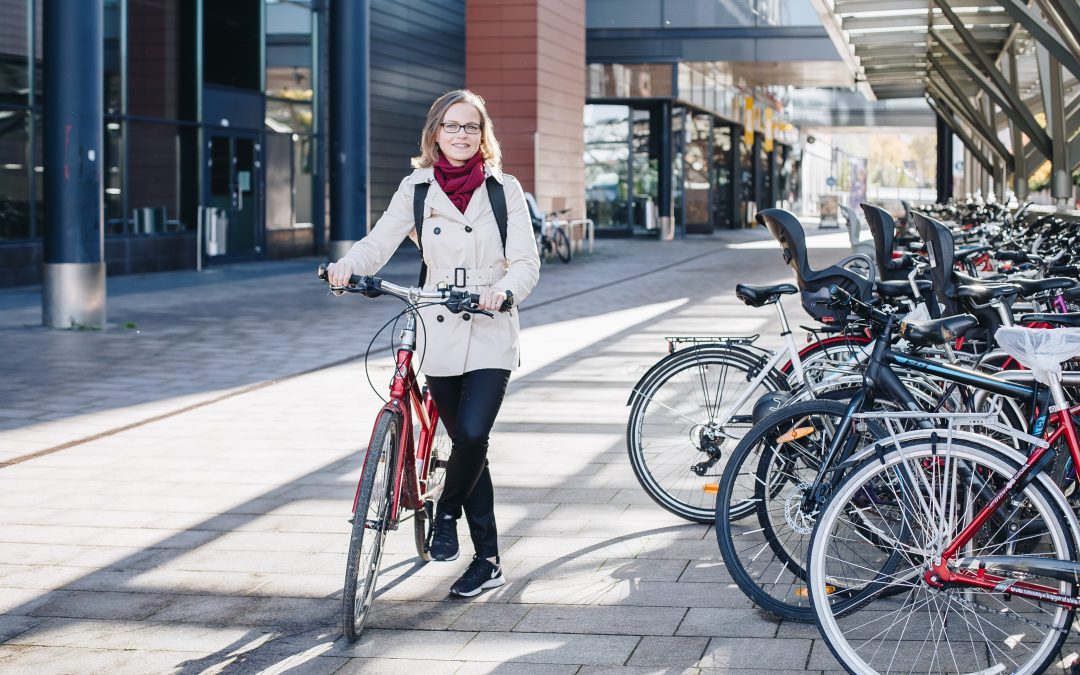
498,206
420,191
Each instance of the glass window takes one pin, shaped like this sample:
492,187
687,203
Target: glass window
112,50
232,43
288,49
153,45
697,159
154,178
14,175
723,213
616,80
14,52
607,164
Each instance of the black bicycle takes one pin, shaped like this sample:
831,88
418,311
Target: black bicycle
552,240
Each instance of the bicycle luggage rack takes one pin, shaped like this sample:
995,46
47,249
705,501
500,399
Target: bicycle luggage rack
675,342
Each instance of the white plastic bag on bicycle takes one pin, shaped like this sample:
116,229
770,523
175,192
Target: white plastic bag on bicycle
1040,349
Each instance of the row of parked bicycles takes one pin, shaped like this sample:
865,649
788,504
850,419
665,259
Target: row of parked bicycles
910,478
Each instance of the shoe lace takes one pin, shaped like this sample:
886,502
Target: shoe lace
478,570
443,530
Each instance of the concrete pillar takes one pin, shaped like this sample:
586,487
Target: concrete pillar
349,123
73,292
526,58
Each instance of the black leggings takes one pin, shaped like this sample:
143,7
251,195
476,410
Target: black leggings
467,406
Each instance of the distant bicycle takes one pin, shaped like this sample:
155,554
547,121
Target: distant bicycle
552,239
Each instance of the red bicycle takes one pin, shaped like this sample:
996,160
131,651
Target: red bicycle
405,461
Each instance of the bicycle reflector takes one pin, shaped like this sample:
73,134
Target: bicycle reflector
711,488
804,592
795,434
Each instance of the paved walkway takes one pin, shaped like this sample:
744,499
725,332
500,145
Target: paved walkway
174,490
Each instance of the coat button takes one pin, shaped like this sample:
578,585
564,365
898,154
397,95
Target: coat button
466,317
439,318
437,230
468,229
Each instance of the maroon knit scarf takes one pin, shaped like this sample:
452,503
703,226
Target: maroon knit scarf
459,182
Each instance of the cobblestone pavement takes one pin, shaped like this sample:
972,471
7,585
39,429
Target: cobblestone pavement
174,490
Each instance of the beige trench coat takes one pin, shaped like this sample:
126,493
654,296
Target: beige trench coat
459,343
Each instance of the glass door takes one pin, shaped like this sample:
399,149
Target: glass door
233,180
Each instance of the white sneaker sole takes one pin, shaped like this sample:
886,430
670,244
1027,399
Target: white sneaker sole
493,583
453,557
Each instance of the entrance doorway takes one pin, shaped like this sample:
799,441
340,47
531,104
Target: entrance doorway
233,187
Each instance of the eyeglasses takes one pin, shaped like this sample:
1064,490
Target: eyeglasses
454,127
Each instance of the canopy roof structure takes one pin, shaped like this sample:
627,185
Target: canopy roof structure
1004,75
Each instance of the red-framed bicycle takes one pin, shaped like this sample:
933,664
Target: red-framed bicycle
405,460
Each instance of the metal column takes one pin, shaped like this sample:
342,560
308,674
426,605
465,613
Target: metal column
944,160
349,123
1050,81
666,205
1016,139
73,291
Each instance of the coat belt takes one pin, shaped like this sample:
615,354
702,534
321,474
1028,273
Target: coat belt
465,276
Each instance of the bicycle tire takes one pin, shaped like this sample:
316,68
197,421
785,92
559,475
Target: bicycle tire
561,244
432,476
369,525
912,476
766,557
665,414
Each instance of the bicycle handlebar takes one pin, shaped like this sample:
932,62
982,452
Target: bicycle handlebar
841,298
372,287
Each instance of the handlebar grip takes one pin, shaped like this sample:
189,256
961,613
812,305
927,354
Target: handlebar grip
354,280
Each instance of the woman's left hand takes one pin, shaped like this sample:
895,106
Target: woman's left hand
492,299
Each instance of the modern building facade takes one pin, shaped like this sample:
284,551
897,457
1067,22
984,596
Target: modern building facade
281,128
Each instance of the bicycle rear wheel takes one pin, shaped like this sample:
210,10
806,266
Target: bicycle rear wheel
685,416
921,497
561,243
432,488
370,522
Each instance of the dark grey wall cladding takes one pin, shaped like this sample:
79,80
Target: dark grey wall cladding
417,53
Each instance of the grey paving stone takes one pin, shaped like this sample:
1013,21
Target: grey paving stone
377,666
602,620
415,615
490,617
677,652
251,611
404,644
99,604
13,626
549,648
747,653
728,622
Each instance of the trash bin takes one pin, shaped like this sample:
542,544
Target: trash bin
215,227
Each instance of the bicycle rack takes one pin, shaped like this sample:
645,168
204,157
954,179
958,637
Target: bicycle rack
727,340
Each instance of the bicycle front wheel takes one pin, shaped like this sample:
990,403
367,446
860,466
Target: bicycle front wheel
431,482
561,243
370,522
921,497
685,416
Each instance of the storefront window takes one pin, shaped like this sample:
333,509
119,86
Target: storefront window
14,175
607,164
646,171
697,160
615,80
724,194
153,58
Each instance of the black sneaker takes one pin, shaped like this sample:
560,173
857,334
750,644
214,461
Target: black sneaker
444,544
480,576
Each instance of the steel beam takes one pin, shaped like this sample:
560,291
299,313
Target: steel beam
1062,25
972,116
1042,34
998,89
965,111
1069,13
1054,108
958,129
1020,170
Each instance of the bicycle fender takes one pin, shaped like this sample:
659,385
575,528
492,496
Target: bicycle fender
756,362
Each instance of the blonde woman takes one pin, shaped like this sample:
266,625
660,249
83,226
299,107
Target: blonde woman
467,359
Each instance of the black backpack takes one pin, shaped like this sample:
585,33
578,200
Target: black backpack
498,205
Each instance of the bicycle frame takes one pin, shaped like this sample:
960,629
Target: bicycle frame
410,490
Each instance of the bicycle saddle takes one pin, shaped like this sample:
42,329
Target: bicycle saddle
1029,287
982,294
757,296
937,331
1069,319
901,289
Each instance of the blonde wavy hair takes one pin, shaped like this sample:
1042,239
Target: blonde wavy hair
429,144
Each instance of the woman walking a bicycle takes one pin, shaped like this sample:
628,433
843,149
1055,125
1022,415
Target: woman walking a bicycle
459,193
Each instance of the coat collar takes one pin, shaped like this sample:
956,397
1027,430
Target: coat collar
427,174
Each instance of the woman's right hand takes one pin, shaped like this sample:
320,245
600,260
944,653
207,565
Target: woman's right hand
338,273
